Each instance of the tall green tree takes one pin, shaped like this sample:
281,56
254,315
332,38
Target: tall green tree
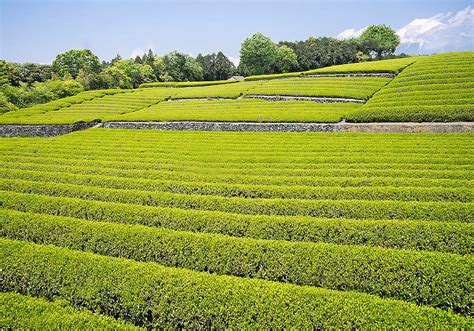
257,55
182,67
285,60
380,40
224,68
315,53
216,66
69,63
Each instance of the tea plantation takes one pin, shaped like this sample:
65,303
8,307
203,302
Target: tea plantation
143,229
435,88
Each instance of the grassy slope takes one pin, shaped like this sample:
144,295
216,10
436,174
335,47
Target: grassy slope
377,198
247,110
439,88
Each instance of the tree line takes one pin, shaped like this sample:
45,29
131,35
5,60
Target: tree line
24,85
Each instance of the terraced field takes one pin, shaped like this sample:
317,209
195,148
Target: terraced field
242,110
436,88
172,229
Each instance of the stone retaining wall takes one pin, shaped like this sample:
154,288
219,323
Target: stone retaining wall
41,130
456,127
45,130
301,98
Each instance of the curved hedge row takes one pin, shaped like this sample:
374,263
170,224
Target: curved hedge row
443,280
356,209
151,295
21,312
458,194
452,237
181,176
436,88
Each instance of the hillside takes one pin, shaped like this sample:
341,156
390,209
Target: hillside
435,88
242,229
112,228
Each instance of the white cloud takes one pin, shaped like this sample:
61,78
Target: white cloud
350,33
137,51
443,32
440,33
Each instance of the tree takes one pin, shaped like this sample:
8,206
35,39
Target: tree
138,59
215,66
116,77
182,67
315,53
149,58
379,39
115,59
71,62
224,68
207,64
257,54
285,60
3,74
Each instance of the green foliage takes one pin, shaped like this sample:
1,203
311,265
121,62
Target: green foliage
181,67
216,67
132,291
28,73
3,74
135,73
436,88
5,105
70,62
23,312
380,40
323,52
392,276
285,60
257,55
25,96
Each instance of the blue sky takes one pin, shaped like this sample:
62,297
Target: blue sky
37,30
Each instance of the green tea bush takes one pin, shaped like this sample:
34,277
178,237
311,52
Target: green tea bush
154,296
436,88
384,272
452,237
26,313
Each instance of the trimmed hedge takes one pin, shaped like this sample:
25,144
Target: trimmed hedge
151,295
460,194
242,110
179,176
21,312
274,76
343,87
356,209
436,88
392,65
452,237
442,280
